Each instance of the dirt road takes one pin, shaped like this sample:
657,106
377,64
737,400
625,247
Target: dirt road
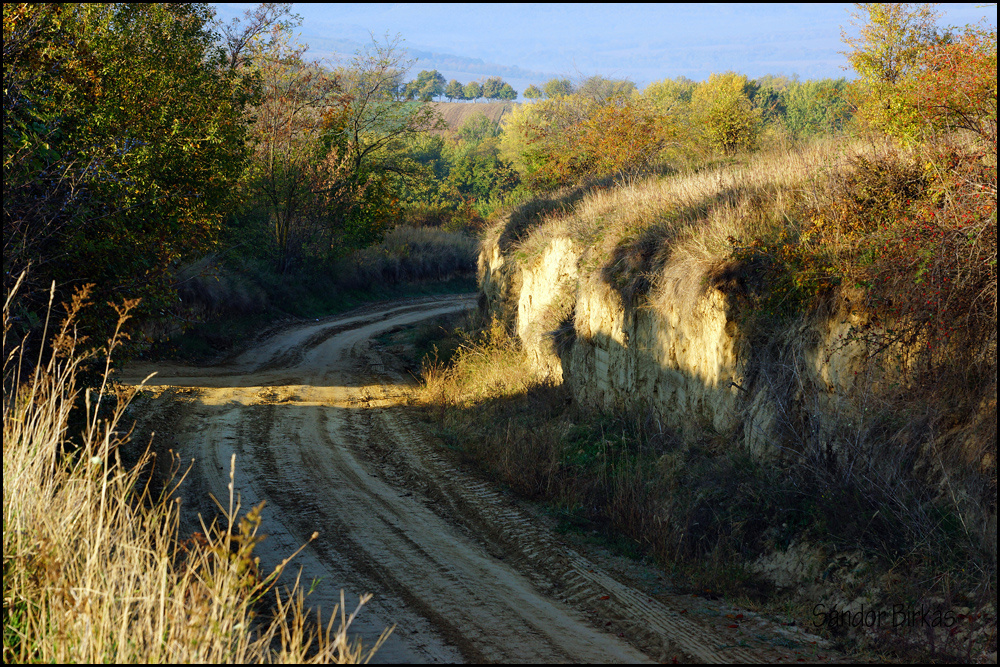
316,416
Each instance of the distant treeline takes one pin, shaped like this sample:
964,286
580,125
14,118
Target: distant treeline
430,84
802,107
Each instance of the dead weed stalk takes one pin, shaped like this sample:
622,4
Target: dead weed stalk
94,571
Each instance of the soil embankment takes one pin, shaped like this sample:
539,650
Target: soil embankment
317,418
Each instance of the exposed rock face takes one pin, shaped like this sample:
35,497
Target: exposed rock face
546,298
679,355
681,363
682,353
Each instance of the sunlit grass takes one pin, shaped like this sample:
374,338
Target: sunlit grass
94,570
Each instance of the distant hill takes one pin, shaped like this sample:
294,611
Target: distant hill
456,113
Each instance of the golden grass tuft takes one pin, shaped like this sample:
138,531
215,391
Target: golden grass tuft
486,365
94,570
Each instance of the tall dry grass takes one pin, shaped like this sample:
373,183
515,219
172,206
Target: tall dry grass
486,365
475,397
94,570
693,213
410,254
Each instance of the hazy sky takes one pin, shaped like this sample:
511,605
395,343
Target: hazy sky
643,43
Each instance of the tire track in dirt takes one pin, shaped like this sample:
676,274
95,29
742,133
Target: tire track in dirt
659,629
316,416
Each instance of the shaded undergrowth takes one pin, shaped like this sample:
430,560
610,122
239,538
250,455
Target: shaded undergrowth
225,301
711,513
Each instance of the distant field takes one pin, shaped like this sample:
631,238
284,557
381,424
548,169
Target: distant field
456,113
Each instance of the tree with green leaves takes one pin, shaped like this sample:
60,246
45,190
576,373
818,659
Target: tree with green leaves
769,93
473,91
507,93
533,93
454,91
670,94
429,84
124,136
601,90
477,128
723,107
891,37
292,175
371,127
817,107
557,88
492,88
476,170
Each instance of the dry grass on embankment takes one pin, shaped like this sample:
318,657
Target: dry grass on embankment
687,218
226,301
94,570
886,524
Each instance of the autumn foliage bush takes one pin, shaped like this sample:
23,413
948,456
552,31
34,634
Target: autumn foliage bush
914,227
955,87
930,272
922,225
782,277
561,141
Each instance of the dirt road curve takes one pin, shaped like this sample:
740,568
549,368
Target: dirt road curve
316,417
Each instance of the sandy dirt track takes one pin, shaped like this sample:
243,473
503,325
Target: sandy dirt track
316,416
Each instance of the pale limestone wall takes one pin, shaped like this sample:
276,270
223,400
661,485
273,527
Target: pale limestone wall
679,360
679,357
499,283
548,290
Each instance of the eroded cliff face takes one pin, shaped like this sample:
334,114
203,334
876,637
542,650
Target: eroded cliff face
679,353
684,354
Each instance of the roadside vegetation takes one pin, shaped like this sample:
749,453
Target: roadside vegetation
788,207
222,301
95,569
214,153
